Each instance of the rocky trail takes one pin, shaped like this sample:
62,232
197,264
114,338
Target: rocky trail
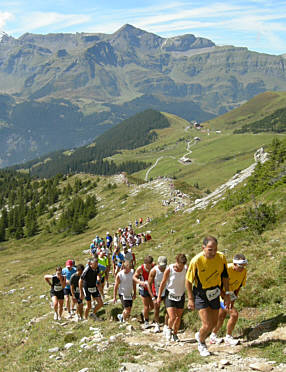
223,357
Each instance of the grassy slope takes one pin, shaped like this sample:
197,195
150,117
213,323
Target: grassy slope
258,107
25,262
215,158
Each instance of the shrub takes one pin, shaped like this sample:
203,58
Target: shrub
257,219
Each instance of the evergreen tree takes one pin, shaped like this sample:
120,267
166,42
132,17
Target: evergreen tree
2,230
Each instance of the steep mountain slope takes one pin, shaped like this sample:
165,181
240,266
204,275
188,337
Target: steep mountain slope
108,75
43,344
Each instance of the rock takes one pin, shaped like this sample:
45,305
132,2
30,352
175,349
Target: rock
42,296
25,301
224,362
69,345
130,328
54,350
83,370
58,358
260,367
84,339
112,338
94,329
11,291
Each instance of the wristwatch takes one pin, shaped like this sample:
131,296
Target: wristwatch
228,292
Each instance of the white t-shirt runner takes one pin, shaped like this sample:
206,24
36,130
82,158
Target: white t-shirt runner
126,284
157,280
176,283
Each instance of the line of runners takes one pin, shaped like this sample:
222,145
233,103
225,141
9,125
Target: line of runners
212,287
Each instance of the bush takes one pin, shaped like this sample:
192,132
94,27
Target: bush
257,219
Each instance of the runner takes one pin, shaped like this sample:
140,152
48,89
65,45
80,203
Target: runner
103,265
141,277
126,284
76,292
117,260
206,273
129,256
108,240
88,287
237,278
174,281
68,271
57,283
154,281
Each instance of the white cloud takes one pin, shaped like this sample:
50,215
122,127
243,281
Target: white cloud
4,17
55,21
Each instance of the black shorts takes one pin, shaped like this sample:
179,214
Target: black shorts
125,303
144,292
79,301
88,294
58,294
176,304
201,301
67,292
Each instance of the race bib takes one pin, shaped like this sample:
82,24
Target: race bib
77,290
127,298
212,293
58,288
171,297
92,290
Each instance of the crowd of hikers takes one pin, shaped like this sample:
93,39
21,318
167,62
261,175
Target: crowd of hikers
212,286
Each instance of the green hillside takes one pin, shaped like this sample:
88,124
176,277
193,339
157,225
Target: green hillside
25,344
253,110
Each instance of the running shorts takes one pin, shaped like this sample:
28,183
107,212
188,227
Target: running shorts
125,303
176,304
88,294
58,294
201,301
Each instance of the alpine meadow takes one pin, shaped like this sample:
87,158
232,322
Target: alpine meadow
134,145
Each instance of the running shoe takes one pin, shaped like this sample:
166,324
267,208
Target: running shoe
157,328
165,329
120,318
229,340
175,338
59,318
93,316
168,334
203,350
146,324
214,339
55,316
70,316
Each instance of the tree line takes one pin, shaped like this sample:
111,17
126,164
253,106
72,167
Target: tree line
130,134
25,200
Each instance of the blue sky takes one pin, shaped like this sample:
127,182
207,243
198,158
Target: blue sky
259,25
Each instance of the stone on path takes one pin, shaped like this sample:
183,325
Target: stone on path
263,367
54,350
68,345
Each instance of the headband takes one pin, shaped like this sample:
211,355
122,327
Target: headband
240,262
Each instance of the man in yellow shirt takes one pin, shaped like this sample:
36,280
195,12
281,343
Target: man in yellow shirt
237,278
206,274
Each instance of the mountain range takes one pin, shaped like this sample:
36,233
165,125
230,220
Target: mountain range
62,90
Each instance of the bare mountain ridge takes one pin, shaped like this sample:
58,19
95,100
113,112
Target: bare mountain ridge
107,78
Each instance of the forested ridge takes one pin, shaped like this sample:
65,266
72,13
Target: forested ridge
275,122
131,133
27,205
